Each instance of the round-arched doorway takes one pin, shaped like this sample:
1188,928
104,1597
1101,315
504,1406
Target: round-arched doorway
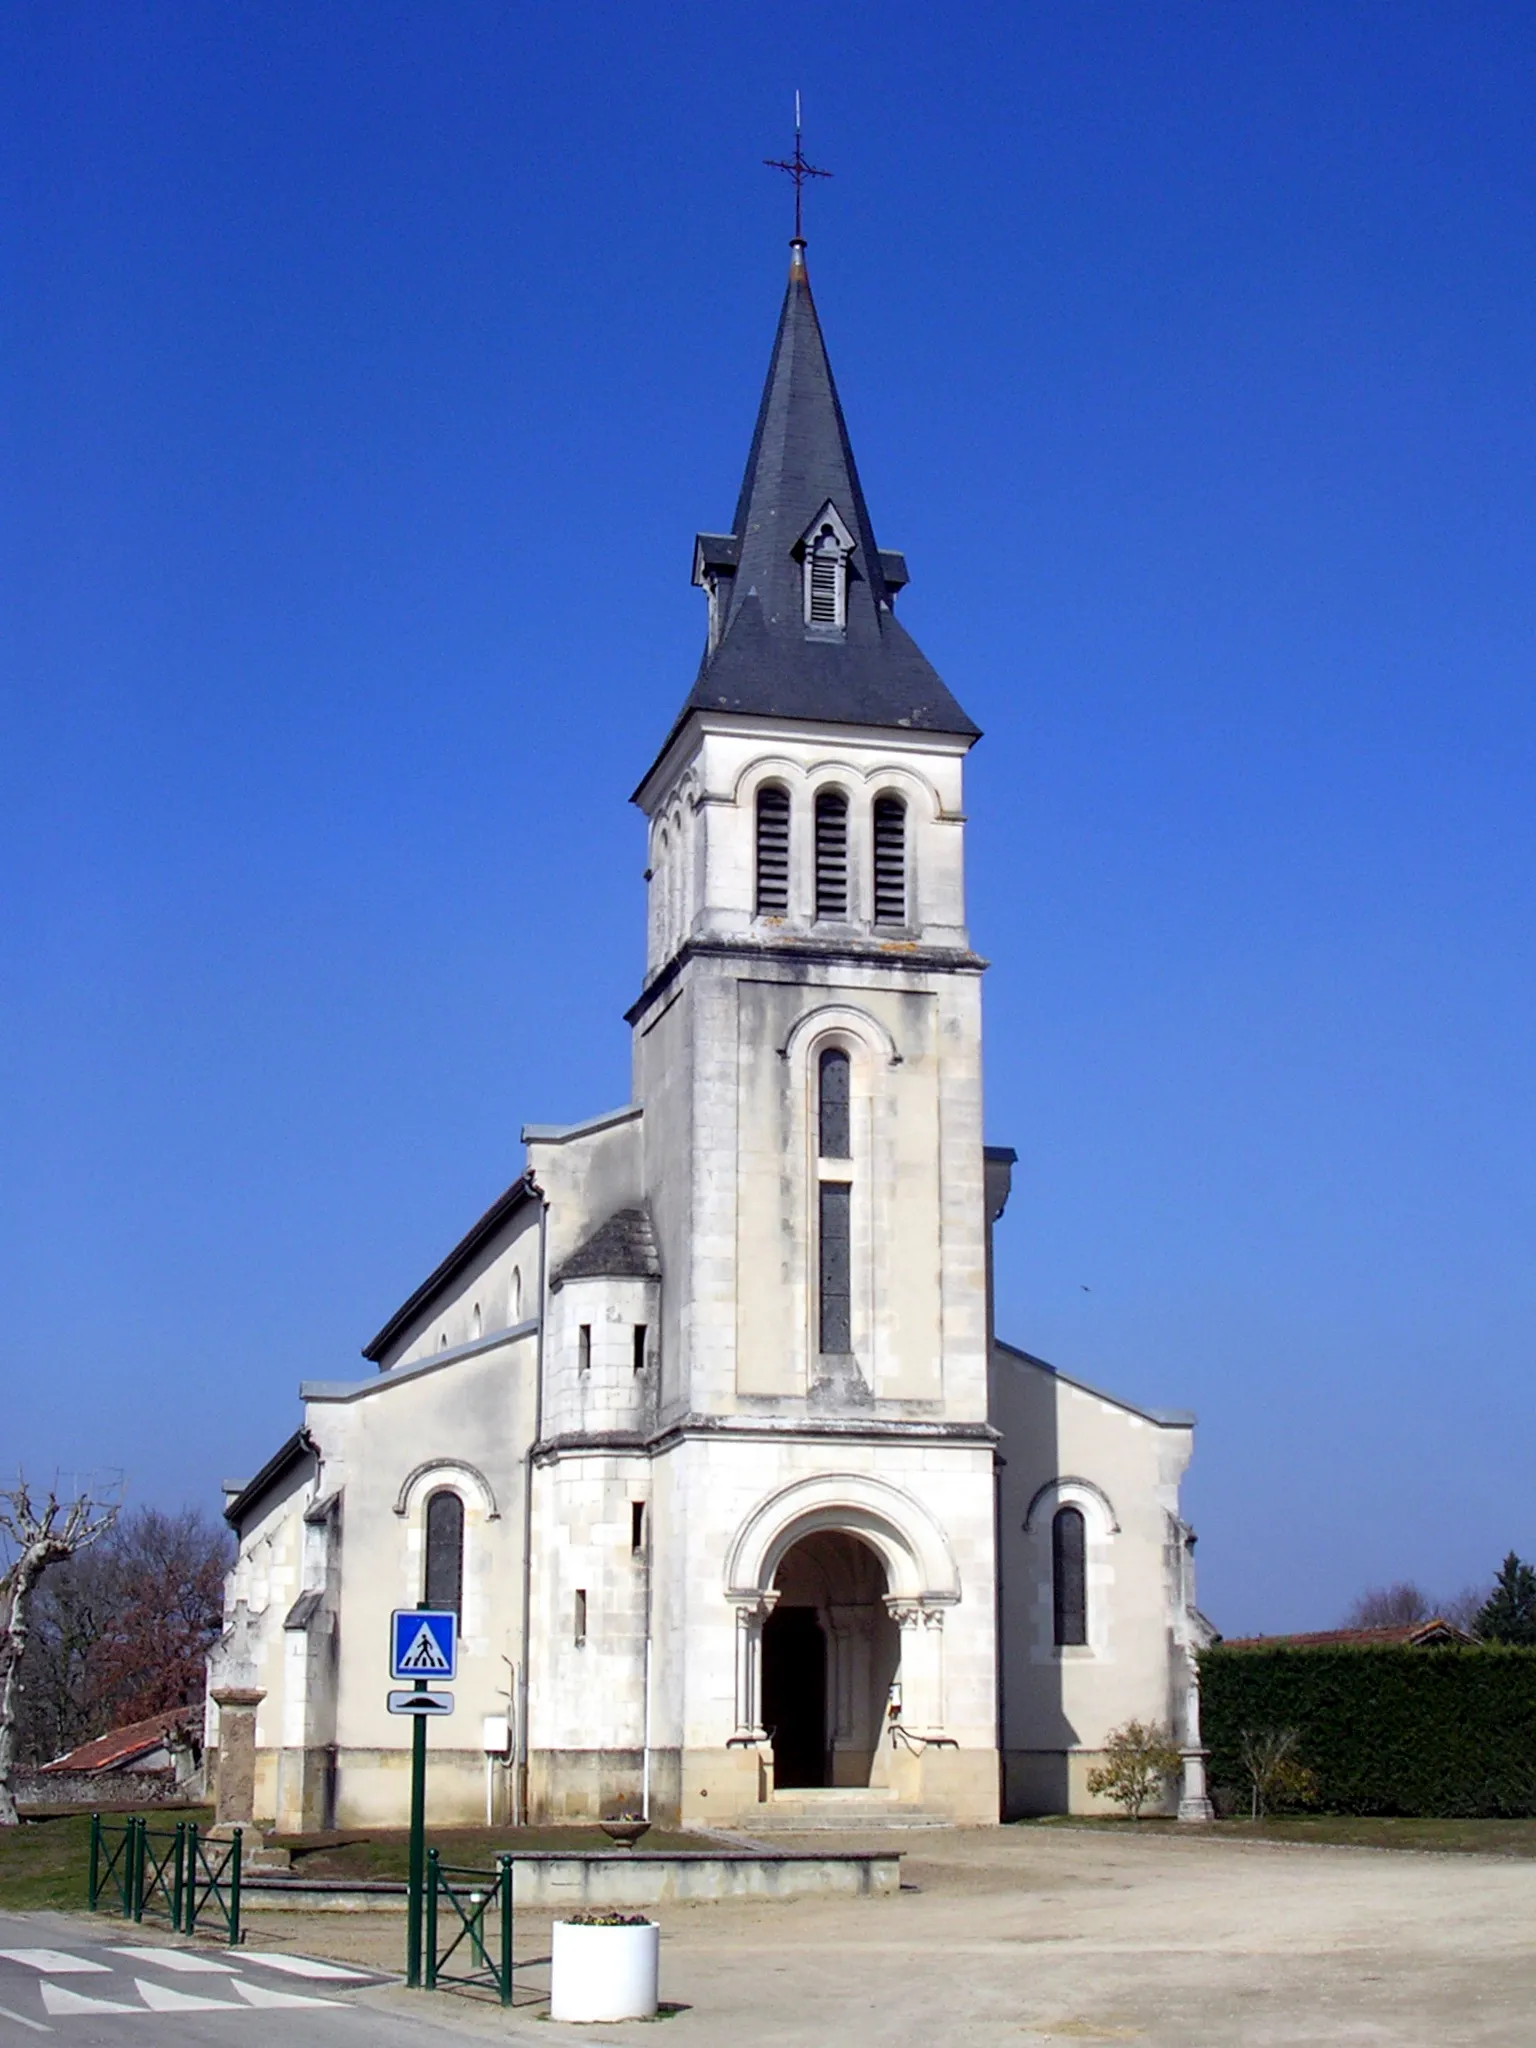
829,1661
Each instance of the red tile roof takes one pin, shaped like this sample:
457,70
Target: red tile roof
120,1746
1416,1635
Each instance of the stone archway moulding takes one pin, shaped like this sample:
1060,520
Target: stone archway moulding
842,1017
919,1564
1070,1492
446,1472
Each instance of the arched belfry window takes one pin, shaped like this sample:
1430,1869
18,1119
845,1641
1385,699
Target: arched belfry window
772,850
1069,1575
831,854
890,860
443,1580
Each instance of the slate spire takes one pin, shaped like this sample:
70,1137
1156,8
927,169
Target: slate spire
764,657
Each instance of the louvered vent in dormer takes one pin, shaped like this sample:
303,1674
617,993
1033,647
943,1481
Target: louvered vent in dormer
772,851
890,860
826,575
832,854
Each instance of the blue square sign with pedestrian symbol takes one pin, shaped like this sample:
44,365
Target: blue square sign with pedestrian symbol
423,1643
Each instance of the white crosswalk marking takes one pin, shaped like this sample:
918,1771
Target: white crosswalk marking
299,1966
20,2019
161,1998
58,1962
58,2000
174,1959
259,1995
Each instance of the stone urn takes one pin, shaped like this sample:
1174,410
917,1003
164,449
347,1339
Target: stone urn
625,1828
604,1966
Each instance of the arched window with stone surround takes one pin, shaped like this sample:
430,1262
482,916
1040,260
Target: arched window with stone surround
772,891
1069,1575
443,1578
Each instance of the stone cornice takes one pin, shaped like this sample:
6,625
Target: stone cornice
885,958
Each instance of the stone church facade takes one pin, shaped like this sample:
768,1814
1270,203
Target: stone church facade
703,1428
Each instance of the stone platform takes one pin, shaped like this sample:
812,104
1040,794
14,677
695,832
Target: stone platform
606,1877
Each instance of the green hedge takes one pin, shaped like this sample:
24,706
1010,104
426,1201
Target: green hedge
1444,1734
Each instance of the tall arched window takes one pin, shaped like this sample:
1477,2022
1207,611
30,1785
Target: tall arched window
772,850
443,1580
832,854
890,860
832,1108
834,1197
1069,1574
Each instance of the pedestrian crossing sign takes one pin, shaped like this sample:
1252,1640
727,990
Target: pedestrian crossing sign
423,1643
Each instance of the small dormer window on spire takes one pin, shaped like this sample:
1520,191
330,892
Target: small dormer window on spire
825,548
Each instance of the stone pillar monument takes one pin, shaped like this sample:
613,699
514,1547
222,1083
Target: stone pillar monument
235,1794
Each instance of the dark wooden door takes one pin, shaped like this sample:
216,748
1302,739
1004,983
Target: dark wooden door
795,1695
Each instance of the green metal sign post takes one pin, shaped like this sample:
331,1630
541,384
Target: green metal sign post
418,1845
423,1646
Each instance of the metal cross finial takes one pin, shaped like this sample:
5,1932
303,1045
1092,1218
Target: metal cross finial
799,170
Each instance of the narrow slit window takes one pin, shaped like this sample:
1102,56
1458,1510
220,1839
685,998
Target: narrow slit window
836,1305
832,854
640,1335
636,1528
443,1581
890,860
584,1348
581,1616
833,1131
1069,1575
772,851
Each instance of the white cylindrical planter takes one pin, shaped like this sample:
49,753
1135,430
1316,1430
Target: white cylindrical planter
604,1973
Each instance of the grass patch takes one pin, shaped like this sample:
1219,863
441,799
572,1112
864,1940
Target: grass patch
1337,1830
45,1863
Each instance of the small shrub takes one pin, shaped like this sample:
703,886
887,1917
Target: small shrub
1276,1775
1139,1760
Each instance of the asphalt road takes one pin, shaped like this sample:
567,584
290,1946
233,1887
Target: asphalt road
85,1984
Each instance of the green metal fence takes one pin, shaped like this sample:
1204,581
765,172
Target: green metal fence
479,1923
175,1873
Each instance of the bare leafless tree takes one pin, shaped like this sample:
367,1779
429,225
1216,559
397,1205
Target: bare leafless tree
38,1531
1396,1606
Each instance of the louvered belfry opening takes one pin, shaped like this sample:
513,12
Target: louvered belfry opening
772,851
890,860
832,854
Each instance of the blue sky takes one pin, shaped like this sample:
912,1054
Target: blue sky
367,371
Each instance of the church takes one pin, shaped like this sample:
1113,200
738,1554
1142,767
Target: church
749,1517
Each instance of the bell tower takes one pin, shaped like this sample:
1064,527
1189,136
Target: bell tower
808,1040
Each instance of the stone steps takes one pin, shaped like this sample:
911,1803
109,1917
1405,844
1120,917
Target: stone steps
837,1807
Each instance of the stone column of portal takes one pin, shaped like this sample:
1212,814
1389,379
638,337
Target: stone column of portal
922,1665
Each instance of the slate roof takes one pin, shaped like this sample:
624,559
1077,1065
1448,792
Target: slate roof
623,1248
120,1747
766,663
479,1233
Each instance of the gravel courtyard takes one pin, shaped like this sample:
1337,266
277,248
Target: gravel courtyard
1026,1935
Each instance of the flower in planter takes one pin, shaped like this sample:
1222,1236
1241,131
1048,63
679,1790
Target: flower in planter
598,1916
